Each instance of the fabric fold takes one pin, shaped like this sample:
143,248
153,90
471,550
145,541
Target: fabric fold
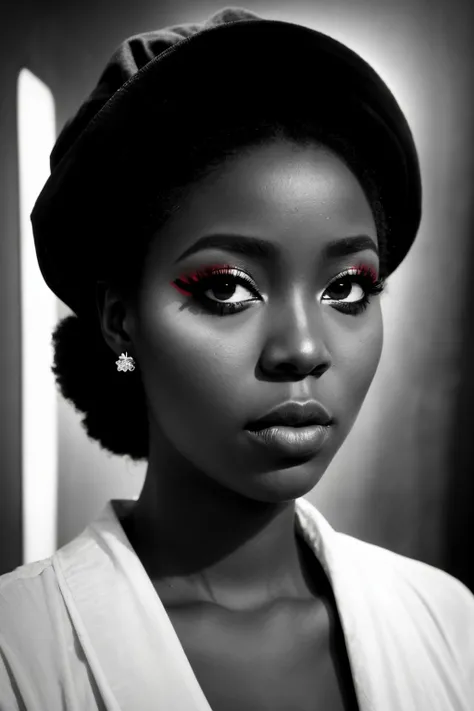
87,629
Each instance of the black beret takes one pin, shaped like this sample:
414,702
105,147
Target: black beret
110,157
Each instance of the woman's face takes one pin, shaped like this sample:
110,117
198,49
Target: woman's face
297,332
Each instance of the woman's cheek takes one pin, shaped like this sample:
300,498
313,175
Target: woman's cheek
368,351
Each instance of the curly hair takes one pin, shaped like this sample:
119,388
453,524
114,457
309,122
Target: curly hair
93,385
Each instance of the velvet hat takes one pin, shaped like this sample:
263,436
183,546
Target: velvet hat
161,86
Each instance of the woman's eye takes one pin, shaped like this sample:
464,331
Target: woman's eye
224,288
227,290
344,290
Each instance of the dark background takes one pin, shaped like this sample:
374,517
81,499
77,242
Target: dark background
404,479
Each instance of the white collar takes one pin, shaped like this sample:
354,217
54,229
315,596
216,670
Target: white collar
129,641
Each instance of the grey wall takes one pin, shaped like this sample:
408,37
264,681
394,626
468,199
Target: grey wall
10,324
403,478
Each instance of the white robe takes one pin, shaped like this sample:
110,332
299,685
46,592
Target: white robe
85,629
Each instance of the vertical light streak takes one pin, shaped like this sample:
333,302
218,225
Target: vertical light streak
36,136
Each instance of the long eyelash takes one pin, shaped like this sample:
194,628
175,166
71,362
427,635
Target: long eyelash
197,283
367,278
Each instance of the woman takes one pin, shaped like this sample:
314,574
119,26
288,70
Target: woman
221,216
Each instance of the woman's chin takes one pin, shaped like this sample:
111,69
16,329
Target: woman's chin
290,481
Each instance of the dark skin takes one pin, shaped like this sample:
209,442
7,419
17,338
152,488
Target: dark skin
214,525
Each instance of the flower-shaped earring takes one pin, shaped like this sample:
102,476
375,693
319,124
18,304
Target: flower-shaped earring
125,362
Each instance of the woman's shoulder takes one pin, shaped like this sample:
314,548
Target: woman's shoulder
31,606
394,568
26,585
41,660
438,604
383,569
29,585
27,571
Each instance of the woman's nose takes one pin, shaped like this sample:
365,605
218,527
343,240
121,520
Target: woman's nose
295,344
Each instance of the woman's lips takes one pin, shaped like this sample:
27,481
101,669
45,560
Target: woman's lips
292,440
293,413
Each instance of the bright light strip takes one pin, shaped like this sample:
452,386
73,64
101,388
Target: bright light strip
36,136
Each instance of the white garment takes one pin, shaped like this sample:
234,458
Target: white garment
85,629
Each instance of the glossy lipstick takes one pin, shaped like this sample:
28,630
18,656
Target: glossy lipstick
292,441
293,428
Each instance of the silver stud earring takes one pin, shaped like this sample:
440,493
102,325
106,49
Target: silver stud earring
125,362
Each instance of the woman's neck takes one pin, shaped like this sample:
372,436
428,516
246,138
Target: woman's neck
205,543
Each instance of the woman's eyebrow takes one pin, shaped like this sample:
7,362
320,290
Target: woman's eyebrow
261,249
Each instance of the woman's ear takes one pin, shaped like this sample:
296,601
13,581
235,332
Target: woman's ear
115,318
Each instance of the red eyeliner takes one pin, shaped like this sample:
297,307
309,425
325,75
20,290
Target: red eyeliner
365,270
196,276
199,274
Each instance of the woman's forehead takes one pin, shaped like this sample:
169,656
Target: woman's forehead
277,193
